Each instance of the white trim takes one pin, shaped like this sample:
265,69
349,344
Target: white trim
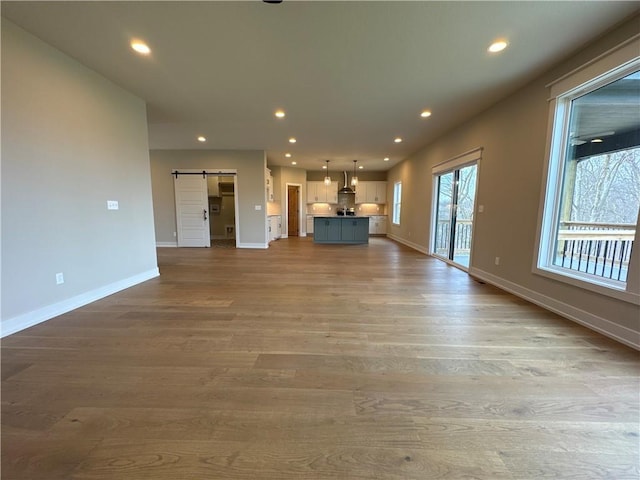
26,320
473,157
252,245
167,244
601,325
613,289
604,62
459,161
606,69
396,204
415,246
300,210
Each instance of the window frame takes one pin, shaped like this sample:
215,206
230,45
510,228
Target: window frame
463,160
602,71
397,202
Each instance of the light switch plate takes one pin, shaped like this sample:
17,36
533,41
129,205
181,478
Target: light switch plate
112,205
258,207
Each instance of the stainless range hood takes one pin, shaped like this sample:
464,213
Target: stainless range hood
346,188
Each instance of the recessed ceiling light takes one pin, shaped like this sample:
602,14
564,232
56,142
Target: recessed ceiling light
324,167
386,159
597,140
140,47
360,167
280,113
202,139
292,140
294,163
288,155
425,113
497,46
397,140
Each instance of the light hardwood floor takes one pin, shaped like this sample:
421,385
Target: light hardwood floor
312,361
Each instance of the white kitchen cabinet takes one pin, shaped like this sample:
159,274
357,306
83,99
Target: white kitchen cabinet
275,227
371,192
318,192
378,225
332,192
269,181
312,192
309,224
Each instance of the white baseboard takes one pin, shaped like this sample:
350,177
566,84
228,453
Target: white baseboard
602,325
415,246
26,320
252,245
167,244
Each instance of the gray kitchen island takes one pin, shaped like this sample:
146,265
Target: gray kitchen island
339,229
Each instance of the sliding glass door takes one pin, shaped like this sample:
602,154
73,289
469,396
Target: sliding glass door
456,193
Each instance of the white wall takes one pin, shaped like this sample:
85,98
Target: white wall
513,134
71,140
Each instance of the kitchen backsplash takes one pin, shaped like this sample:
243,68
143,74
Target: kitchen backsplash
361,209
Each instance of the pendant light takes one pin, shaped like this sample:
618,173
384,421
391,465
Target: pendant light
327,178
354,179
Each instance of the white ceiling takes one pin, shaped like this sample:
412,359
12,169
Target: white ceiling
351,76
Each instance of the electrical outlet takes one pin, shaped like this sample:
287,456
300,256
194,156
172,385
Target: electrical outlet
497,261
59,278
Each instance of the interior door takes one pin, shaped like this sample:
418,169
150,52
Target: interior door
192,210
454,214
293,209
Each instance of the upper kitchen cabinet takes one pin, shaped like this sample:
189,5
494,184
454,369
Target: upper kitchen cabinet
318,192
269,186
371,192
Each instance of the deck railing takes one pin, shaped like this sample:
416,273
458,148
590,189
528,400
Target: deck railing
462,244
600,249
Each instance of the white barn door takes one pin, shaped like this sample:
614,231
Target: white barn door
192,210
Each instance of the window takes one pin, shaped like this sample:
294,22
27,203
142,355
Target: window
592,199
397,202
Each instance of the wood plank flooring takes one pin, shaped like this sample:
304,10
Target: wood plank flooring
318,362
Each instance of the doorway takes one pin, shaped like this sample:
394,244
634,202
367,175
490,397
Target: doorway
206,208
222,212
455,206
293,210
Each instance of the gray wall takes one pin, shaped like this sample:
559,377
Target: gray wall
513,134
71,140
281,177
251,190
